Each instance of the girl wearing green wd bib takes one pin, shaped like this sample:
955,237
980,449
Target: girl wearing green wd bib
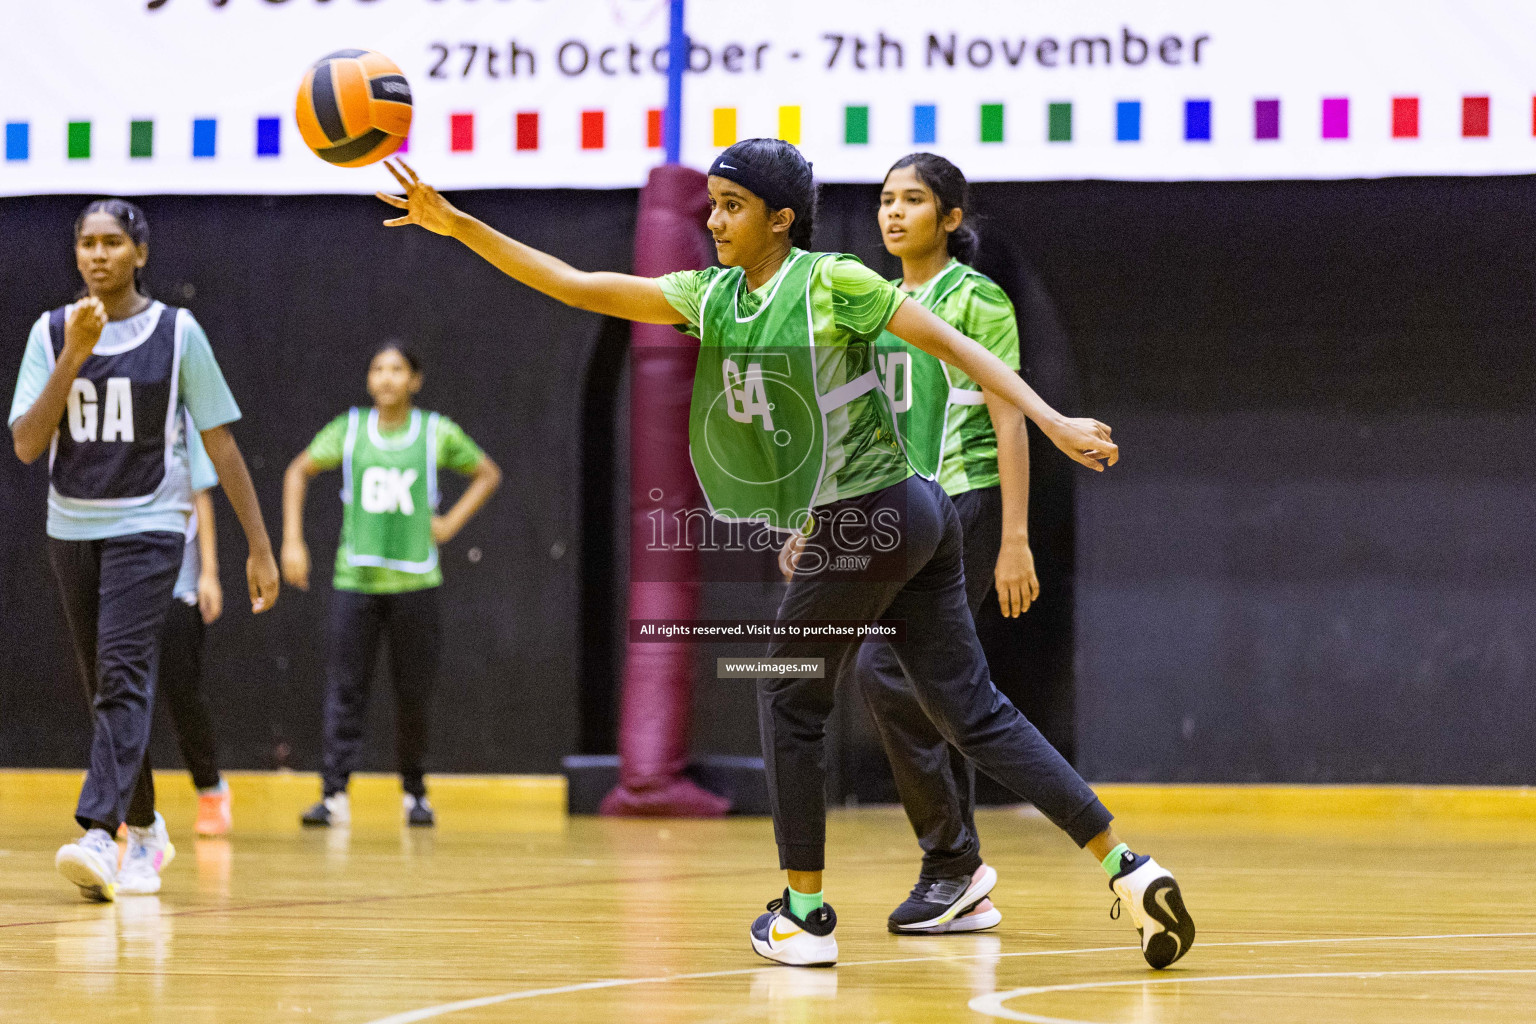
790,427
974,444
387,571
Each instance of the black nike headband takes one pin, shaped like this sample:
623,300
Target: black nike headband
733,167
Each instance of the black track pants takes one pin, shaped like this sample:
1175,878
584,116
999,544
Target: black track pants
410,623
181,687
116,594
940,655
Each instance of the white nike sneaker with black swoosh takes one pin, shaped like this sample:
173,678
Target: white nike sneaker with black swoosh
782,937
1157,909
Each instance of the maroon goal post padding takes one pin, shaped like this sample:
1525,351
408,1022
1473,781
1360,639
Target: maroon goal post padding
656,701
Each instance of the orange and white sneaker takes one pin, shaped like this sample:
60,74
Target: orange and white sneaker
781,936
978,919
215,816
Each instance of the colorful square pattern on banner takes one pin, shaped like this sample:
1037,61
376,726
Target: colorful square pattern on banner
572,94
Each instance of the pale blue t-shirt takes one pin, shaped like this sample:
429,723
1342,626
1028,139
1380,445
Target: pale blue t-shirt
204,396
203,476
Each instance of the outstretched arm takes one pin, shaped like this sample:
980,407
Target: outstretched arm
620,295
1084,440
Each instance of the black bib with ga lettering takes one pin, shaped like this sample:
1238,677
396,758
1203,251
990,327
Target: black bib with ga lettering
115,438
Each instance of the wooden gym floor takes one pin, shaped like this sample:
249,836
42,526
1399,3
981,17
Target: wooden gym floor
1313,905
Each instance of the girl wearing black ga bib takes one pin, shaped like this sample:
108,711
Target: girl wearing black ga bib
102,384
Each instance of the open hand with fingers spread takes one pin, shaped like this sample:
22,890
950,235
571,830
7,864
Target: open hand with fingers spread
422,203
1085,440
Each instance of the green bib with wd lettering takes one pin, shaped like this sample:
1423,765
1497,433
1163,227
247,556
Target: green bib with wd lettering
918,384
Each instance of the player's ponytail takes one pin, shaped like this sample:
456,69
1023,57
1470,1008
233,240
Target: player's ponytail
950,191
130,218
774,171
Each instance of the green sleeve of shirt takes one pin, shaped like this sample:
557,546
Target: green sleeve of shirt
990,320
326,448
863,302
455,450
684,292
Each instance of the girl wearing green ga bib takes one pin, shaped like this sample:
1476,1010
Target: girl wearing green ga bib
786,380
387,572
786,413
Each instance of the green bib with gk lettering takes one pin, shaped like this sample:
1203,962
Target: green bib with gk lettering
757,427
389,493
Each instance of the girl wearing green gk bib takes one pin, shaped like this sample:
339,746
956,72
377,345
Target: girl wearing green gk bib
387,571
790,427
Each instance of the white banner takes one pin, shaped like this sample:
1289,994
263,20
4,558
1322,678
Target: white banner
196,96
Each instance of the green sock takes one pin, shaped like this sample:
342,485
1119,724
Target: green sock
802,903
1111,864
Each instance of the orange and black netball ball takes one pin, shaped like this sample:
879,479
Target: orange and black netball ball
354,107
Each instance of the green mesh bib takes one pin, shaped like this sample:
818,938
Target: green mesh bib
918,384
390,493
757,430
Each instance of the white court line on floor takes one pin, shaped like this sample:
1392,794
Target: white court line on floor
444,1009
992,1004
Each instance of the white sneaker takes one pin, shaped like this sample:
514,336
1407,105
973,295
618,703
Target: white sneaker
979,918
91,863
781,936
149,853
1157,909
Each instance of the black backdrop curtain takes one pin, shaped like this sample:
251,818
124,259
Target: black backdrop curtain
1311,565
